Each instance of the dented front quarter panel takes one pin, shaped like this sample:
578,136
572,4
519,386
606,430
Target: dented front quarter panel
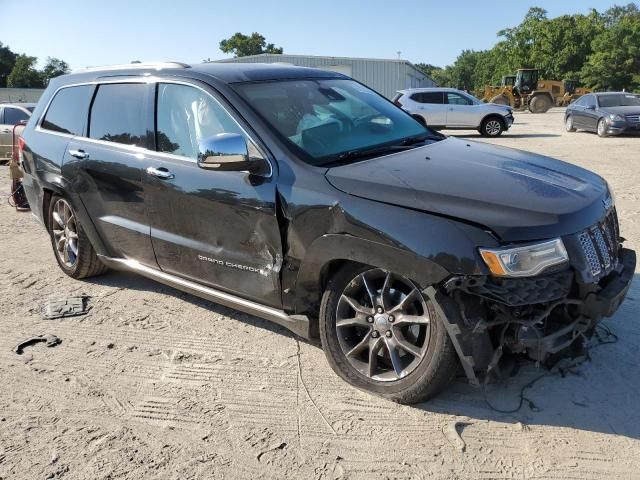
321,224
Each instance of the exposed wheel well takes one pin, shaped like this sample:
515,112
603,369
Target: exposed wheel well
46,201
327,272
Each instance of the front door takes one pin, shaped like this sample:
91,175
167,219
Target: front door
460,111
216,228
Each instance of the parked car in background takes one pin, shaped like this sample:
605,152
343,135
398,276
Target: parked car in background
610,113
304,197
10,115
448,108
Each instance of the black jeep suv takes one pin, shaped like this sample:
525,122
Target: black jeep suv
306,198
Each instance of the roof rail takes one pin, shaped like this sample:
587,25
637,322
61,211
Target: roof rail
155,65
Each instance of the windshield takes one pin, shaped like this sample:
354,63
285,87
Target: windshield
619,100
331,119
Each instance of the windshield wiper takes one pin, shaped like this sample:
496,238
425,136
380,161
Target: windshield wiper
408,143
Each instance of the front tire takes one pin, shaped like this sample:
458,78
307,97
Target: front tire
73,251
602,128
492,127
380,334
540,104
568,124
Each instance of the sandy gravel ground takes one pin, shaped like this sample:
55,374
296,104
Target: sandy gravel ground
153,383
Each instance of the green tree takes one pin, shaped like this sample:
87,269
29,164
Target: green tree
600,49
7,61
615,61
53,68
24,73
241,45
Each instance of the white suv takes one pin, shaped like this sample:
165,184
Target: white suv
448,108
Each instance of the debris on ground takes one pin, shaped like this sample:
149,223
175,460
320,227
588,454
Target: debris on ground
450,431
51,341
69,307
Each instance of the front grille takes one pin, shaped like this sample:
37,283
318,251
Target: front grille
600,245
633,118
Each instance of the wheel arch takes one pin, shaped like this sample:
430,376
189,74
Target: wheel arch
495,115
48,192
419,118
329,253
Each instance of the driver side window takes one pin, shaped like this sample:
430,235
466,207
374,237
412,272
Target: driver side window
457,99
185,116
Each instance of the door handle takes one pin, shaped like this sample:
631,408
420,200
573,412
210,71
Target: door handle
6,130
81,154
162,173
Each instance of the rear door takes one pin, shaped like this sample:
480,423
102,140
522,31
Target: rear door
432,107
460,111
106,167
215,227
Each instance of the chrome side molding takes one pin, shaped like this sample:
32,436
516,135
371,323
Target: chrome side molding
298,324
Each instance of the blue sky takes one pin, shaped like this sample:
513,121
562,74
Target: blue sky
89,32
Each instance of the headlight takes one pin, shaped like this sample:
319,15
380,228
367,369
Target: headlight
524,261
616,118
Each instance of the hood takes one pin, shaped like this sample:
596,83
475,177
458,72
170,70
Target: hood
520,196
628,110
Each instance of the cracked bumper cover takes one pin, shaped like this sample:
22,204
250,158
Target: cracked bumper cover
475,348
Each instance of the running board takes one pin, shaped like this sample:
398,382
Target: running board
298,324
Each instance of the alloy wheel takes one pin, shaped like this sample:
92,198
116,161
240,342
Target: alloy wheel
383,325
569,124
493,127
602,128
65,233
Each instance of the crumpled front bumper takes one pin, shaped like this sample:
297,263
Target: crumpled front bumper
478,352
605,302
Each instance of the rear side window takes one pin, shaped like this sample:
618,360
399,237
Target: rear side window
14,115
427,97
118,113
68,110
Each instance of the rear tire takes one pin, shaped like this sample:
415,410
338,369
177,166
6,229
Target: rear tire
420,120
71,247
492,127
540,104
568,124
382,362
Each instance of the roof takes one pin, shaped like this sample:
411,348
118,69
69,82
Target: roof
223,72
615,93
284,55
247,72
429,89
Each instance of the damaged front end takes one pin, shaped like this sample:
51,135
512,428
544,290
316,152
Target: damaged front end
541,317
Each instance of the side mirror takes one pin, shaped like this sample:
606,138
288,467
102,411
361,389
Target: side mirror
591,107
228,152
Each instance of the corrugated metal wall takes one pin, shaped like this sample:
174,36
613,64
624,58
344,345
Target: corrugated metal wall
384,76
18,95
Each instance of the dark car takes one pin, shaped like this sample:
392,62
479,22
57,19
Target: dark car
306,198
610,113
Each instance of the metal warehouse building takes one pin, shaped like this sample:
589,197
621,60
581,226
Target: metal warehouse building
384,76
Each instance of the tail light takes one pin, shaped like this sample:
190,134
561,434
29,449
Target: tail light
21,145
397,102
